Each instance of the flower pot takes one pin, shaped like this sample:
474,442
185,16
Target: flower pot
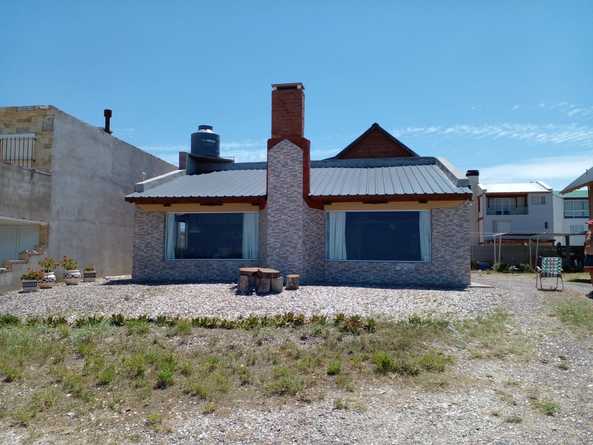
72,277
89,276
30,285
48,281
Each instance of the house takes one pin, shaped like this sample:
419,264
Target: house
517,212
575,213
62,184
376,213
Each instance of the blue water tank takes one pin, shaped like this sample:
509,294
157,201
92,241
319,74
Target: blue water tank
205,142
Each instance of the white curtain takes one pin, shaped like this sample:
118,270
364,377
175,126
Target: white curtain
171,232
425,234
250,235
337,235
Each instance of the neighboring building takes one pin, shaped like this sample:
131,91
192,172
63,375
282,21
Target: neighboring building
517,210
585,180
376,213
520,211
575,213
62,184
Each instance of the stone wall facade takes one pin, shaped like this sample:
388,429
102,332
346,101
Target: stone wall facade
285,208
34,119
449,265
150,264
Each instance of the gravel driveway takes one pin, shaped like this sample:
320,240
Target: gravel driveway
220,300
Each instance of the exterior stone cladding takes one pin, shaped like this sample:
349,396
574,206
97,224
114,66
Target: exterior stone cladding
449,265
285,208
37,119
150,264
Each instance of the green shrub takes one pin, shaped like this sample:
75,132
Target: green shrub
106,375
434,361
284,381
164,378
182,327
138,327
135,365
383,362
334,367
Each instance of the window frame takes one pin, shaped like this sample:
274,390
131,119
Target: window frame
211,259
326,243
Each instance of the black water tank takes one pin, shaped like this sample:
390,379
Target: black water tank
205,142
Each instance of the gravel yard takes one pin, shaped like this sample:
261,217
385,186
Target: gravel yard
220,300
540,395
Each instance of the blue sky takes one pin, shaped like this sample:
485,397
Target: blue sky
505,87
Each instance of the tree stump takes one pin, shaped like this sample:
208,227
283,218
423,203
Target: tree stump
247,279
263,280
292,282
244,287
277,284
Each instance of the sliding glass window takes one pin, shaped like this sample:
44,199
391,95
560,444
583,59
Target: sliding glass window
212,235
378,236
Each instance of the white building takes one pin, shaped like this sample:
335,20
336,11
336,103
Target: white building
518,211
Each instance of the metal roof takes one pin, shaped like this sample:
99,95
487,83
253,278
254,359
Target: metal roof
352,177
395,180
517,187
576,194
237,183
583,180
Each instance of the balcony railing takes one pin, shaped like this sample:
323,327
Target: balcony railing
507,211
580,213
18,149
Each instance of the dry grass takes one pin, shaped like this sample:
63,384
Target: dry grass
49,368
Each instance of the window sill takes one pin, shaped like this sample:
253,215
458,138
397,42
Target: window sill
379,261
210,259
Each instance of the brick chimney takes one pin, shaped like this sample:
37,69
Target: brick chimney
287,181
288,110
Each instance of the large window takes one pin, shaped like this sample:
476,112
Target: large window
507,205
212,235
378,236
576,208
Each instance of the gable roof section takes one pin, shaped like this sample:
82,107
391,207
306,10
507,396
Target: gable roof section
376,142
583,180
333,179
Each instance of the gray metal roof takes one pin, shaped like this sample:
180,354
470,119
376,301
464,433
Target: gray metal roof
581,181
349,177
397,180
219,184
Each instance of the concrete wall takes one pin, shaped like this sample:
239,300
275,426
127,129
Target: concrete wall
533,222
92,173
24,193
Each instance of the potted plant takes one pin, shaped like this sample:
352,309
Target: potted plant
89,274
71,272
30,280
48,266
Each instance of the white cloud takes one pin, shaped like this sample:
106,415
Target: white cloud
557,170
574,134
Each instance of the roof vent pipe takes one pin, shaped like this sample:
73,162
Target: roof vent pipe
107,114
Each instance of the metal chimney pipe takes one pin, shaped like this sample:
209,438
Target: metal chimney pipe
107,114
